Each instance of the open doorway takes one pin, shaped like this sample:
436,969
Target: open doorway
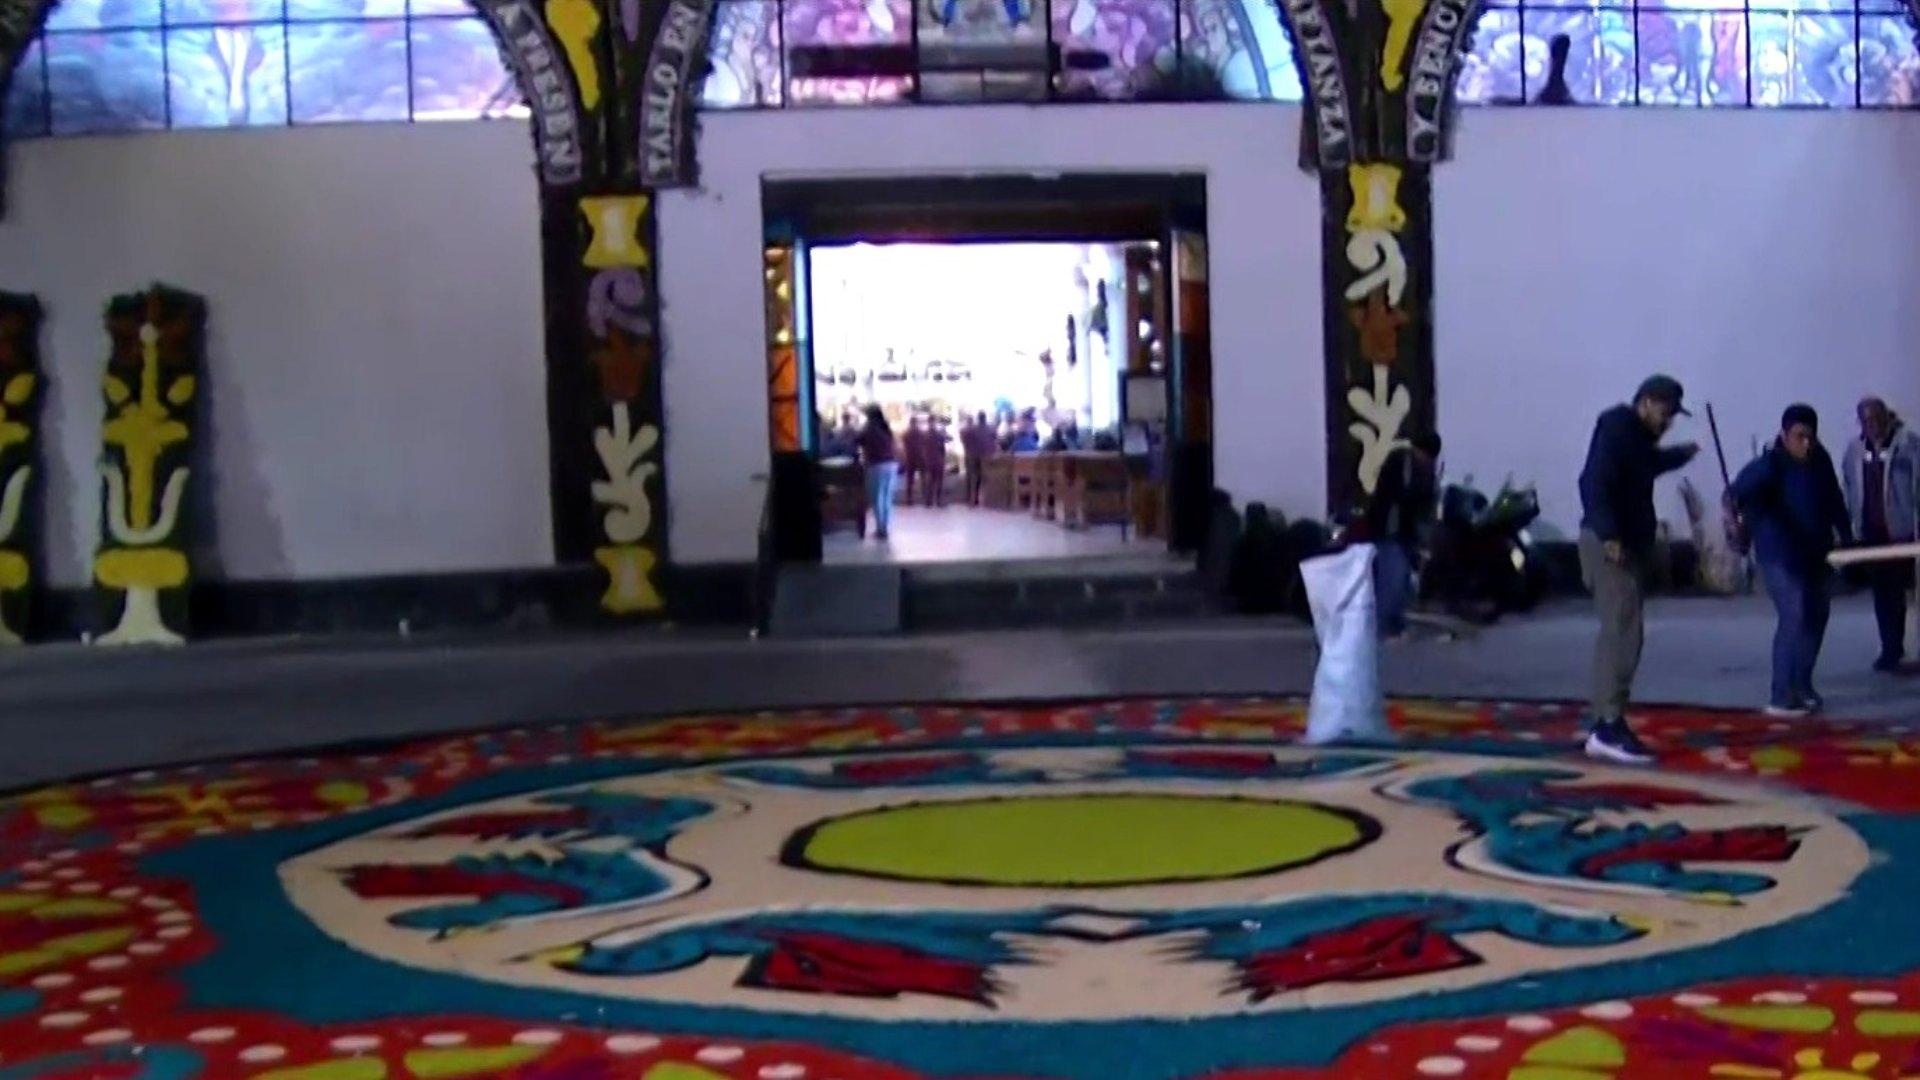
1036,347
991,362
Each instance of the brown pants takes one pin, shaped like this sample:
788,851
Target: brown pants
1619,592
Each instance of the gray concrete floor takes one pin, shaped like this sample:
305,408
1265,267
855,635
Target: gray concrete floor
67,711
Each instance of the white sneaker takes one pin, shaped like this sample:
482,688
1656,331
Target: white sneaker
1613,739
1787,712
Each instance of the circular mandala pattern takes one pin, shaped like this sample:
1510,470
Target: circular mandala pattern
894,894
1084,882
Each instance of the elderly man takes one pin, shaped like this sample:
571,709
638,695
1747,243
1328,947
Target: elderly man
1881,474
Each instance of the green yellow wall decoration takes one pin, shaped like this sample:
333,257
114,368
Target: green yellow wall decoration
152,382
20,382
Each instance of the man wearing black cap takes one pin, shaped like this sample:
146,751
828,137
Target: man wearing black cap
1616,537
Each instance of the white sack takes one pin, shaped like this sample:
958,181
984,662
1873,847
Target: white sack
1346,684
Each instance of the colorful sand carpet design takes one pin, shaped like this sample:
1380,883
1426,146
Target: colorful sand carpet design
1152,890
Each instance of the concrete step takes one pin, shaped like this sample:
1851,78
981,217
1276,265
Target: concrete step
1083,595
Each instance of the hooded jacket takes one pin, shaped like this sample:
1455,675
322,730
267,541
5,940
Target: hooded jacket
1901,480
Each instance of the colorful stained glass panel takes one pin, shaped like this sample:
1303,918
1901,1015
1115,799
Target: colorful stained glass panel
743,53
310,10
25,115
1691,58
1490,71
216,12
1599,53
1889,62
1116,49
229,76
1802,59
458,73
1243,48
348,71
112,81
852,29
104,14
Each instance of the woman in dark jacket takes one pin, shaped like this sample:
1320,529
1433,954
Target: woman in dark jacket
880,453
1790,501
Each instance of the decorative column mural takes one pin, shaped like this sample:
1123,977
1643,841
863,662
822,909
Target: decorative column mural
1380,76
622,344
20,318
141,573
1379,287
612,83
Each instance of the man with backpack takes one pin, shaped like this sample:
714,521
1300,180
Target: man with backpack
1617,530
1792,506
1881,474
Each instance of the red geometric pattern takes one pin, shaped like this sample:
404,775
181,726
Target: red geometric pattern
90,950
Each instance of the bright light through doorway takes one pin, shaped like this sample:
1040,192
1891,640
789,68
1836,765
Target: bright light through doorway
960,329
971,326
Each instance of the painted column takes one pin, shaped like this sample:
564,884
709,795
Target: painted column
622,343
20,385
1378,247
1380,76
152,382
592,65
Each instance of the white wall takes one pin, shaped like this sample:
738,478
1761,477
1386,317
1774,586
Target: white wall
375,363
1760,257
377,391
1263,222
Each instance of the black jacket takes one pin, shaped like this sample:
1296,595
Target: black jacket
1404,500
1616,487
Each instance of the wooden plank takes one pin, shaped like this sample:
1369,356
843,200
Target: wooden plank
1882,553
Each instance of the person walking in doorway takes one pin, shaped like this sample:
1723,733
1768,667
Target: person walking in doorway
880,453
933,462
913,445
1881,477
1791,504
1617,529
1399,515
978,442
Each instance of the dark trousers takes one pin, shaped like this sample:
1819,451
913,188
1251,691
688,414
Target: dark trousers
1392,585
1803,599
976,481
1891,582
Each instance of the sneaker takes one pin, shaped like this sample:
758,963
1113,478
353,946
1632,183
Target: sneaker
1813,702
1795,711
1612,739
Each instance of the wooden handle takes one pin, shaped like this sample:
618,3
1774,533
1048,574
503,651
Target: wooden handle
1883,553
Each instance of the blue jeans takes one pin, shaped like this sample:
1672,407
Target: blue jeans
1392,585
1803,599
881,478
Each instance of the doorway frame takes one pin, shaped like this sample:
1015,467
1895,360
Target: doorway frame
802,211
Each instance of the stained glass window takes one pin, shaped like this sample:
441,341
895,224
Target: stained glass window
1701,53
129,65
135,65
768,53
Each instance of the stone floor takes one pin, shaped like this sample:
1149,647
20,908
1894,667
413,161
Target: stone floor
66,710
956,533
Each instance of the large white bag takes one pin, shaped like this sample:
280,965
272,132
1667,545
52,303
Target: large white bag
1346,701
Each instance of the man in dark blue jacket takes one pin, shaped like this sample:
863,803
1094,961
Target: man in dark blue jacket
1617,530
1792,505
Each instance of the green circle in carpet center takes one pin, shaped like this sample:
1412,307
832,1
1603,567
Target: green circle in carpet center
1080,840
